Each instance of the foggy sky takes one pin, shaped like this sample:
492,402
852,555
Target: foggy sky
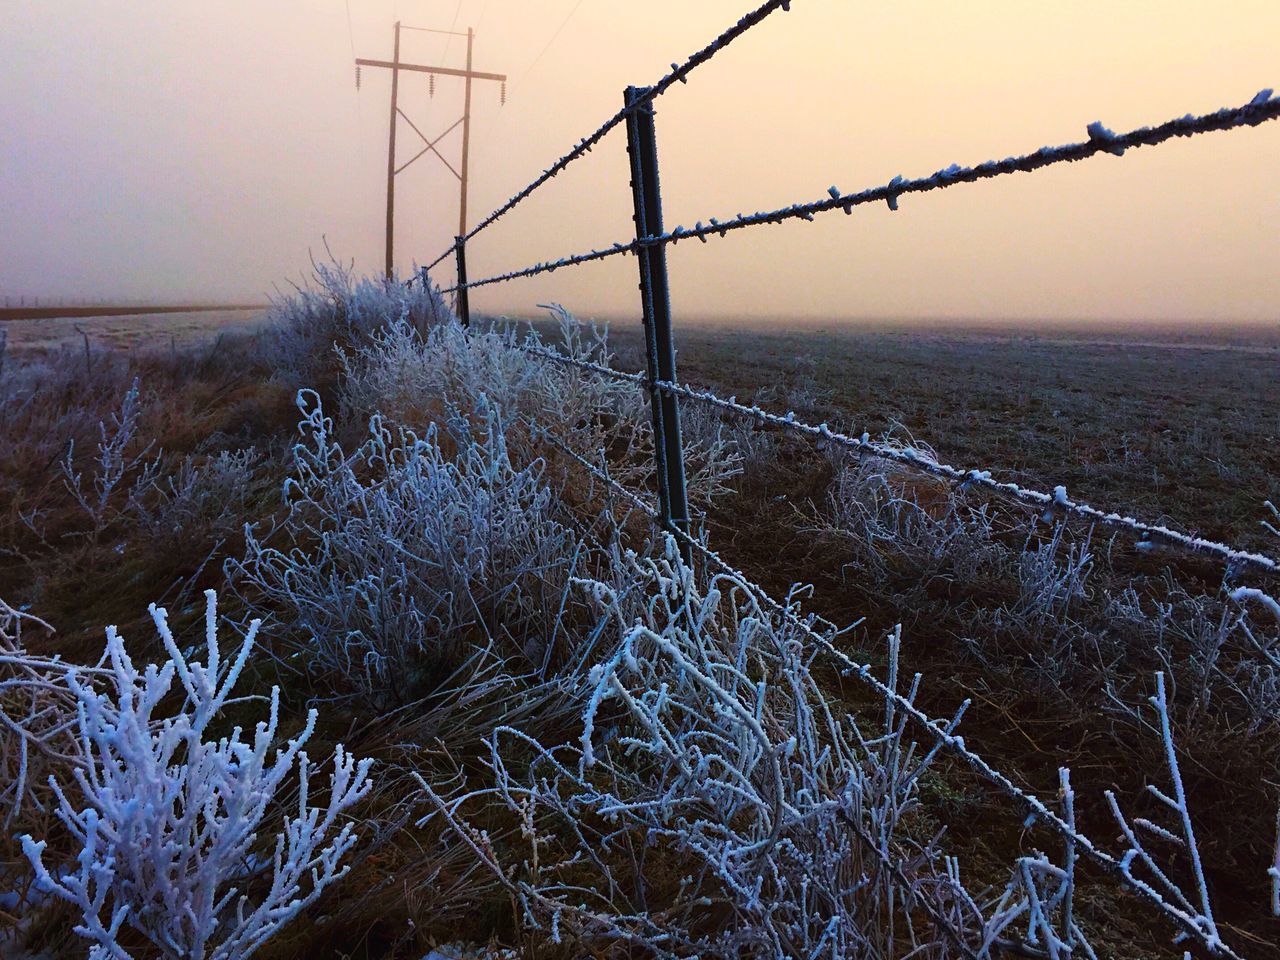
182,150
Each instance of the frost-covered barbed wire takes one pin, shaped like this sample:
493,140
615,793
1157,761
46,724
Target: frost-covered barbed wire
1056,503
1187,921
1263,107
167,814
679,73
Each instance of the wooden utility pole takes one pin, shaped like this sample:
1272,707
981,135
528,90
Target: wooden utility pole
466,136
395,65
391,156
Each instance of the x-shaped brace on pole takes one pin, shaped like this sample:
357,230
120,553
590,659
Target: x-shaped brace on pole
430,144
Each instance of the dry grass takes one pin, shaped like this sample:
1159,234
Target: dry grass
1052,632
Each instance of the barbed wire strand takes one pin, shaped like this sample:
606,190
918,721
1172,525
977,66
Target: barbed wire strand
940,732
679,74
1260,109
1058,502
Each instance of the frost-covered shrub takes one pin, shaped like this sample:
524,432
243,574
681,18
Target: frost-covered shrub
167,811
714,805
395,553
203,497
892,519
50,399
37,711
121,455
342,311
413,379
1052,579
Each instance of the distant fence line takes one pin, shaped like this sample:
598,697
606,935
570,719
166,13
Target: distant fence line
664,388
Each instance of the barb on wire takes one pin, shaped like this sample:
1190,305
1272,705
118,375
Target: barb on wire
943,734
552,265
679,73
1057,502
1263,107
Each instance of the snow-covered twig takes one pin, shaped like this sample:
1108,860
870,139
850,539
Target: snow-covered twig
113,463
167,813
1197,915
1041,895
37,713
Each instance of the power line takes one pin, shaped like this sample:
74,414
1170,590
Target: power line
448,41
351,34
554,36
397,66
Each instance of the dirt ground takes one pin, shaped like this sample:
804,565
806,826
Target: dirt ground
1172,424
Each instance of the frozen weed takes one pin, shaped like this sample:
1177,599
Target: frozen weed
202,498
339,310
391,555
167,814
713,804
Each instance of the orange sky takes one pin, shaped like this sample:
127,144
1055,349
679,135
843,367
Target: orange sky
175,149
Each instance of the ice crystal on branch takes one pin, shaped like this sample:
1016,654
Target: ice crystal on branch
168,815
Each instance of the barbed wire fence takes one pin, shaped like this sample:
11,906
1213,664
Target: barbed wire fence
1193,922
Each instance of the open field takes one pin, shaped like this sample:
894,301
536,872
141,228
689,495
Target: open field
1176,424
432,593
127,331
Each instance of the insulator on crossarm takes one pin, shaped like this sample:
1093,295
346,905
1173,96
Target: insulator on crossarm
357,76
433,84
504,93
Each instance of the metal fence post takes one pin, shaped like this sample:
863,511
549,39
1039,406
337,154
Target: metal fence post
464,305
660,352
